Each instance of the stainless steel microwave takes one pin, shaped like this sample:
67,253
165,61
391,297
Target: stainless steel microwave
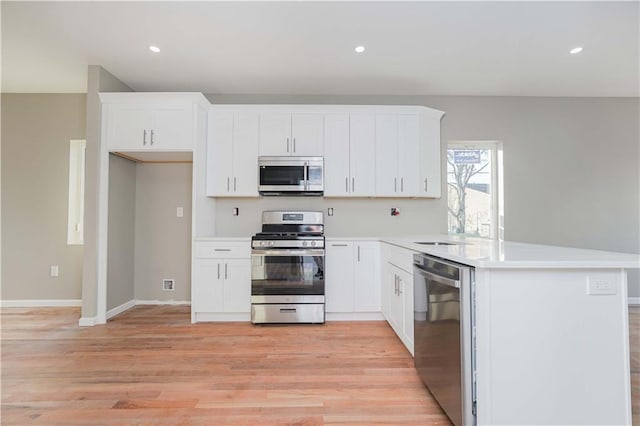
291,175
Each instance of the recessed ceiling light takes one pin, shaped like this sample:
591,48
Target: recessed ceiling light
359,49
576,50
154,49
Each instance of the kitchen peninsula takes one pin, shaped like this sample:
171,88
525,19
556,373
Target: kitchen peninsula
549,329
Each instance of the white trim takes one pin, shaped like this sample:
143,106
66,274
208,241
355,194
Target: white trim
221,316
28,303
633,300
120,309
87,321
163,302
354,316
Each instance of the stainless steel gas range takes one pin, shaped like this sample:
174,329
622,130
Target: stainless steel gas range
287,268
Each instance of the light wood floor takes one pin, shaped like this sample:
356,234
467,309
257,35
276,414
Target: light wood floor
151,366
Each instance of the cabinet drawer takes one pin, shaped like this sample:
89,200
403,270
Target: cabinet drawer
401,257
223,250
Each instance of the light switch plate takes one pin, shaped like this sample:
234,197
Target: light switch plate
54,271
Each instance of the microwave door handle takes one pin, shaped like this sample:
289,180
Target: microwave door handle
306,175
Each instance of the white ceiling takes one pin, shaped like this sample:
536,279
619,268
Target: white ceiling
445,48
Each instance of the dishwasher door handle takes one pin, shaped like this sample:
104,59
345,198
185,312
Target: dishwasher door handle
437,278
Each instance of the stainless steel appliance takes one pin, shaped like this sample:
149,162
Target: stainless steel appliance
291,175
287,268
444,342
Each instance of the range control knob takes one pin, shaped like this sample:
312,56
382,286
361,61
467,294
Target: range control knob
313,243
304,244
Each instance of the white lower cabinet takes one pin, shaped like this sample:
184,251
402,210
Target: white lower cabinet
221,281
352,283
397,291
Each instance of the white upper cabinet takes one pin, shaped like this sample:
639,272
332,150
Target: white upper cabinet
408,154
150,121
232,154
293,134
349,155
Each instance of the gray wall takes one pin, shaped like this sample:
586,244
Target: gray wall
163,241
571,169
98,80
121,244
35,183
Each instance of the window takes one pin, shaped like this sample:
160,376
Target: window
75,221
474,189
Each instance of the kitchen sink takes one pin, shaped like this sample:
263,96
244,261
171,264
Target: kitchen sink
436,243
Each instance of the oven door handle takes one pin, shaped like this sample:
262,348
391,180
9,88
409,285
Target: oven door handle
310,252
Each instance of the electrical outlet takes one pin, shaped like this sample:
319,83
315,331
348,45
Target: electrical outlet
601,286
54,271
330,211
179,212
168,284
235,211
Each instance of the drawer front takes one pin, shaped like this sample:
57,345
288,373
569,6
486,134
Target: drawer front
223,250
402,258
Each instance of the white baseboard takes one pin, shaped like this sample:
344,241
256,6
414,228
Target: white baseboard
634,300
120,309
87,321
49,303
221,317
354,316
163,302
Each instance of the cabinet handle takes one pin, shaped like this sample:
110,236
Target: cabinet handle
227,184
221,249
294,144
338,245
401,184
234,184
218,271
346,184
287,144
395,184
353,184
151,137
425,185
225,271
144,137
395,278
358,253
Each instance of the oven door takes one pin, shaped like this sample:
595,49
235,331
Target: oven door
287,275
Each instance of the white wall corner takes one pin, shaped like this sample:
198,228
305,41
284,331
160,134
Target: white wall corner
87,321
634,300
47,303
120,309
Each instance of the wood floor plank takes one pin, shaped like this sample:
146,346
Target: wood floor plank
149,365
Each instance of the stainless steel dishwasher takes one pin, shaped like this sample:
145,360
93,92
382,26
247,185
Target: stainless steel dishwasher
444,341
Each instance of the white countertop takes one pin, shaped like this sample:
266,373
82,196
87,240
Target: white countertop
486,253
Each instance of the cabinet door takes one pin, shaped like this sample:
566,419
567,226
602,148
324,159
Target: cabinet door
409,155
306,130
219,153
128,127
237,285
245,155
430,180
395,301
275,133
367,277
207,286
362,154
339,286
406,300
336,155
387,155
172,128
